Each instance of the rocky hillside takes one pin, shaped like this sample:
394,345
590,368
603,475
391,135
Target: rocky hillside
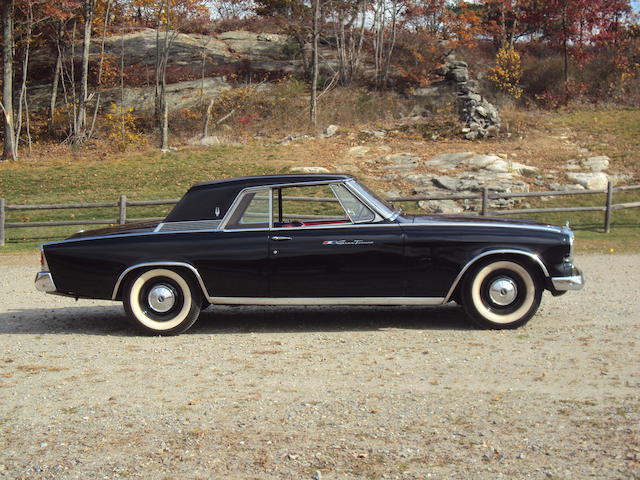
230,58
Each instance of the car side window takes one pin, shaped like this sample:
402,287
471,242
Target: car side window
307,206
357,211
252,211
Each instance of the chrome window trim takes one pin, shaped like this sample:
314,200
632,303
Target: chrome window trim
341,203
327,301
468,265
193,269
353,186
236,203
375,214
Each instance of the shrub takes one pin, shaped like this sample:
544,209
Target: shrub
121,128
507,71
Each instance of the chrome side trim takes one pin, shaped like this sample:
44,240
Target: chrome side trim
471,223
44,282
194,225
159,264
573,282
327,301
529,255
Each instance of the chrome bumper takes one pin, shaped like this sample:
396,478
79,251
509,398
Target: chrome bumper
44,282
572,282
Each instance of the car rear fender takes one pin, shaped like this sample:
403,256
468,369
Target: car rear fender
193,271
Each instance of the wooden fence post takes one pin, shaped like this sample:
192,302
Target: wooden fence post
1,222
122,204
485,201
608,211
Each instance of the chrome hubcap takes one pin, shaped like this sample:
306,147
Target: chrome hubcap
161,298
503,291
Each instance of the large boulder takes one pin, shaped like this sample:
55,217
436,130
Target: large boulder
596,164
590,181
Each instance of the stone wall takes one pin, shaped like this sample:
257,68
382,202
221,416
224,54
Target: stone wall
480,118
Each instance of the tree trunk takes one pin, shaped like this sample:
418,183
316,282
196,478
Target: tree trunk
9,150
81,123
54,87
392,44
164,146
100,66
157,108
314,72
565,54
23,105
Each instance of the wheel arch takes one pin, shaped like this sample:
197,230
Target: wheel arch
192,271
529,257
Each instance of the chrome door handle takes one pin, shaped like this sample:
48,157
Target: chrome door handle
280,239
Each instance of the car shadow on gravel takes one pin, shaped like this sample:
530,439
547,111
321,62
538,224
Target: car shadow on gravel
111,320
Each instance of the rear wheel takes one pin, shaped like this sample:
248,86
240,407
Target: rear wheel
162,301
501,294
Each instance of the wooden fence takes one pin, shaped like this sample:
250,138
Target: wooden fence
485,195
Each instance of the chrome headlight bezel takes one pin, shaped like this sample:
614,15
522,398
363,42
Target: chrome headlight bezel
571,239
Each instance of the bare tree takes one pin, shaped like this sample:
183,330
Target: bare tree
348,19
23,105
10,149
163,47
315,33
57,73
79,133
96,107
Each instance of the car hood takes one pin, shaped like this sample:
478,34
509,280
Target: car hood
476,220
118,229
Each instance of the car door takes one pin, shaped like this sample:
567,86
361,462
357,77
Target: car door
236,260
325,243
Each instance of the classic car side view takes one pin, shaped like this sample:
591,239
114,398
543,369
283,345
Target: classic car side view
310,239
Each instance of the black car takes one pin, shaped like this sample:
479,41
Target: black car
310,240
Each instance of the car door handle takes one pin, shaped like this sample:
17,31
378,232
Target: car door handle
280,239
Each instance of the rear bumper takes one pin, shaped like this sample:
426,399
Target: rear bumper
572,282
44,282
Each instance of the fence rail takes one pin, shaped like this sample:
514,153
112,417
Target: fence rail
484,196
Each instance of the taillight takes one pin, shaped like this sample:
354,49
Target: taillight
43,262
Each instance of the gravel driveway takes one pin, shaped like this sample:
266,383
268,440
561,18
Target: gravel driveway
322,392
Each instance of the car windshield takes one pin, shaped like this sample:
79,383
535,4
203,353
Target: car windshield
386,208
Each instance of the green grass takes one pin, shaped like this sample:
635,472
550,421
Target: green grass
147,176
612,132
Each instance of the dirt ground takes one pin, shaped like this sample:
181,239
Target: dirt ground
322,393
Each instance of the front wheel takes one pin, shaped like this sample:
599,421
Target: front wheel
501,294
162,301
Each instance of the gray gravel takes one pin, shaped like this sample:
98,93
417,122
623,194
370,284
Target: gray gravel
331,393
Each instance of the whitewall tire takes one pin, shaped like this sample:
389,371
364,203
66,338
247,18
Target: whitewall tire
162,301
501,294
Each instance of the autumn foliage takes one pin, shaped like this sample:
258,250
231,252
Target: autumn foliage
547,53
507,71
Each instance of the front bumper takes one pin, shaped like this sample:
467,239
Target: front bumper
44,282
572,282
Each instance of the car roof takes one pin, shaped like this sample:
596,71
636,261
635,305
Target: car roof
204,199
259,180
